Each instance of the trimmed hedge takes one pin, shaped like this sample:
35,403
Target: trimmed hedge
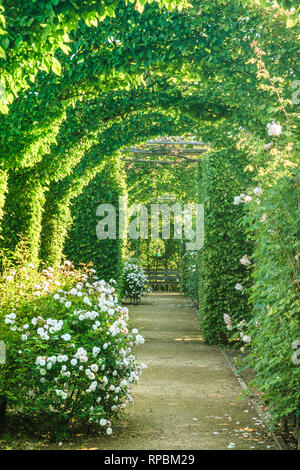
274,350
222,177
82,243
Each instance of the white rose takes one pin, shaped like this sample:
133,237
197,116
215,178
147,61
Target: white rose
237,200
258,191
268,146
245,261
238,286
274,129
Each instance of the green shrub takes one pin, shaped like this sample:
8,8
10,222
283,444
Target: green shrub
273,332
188,274
68,351
134,281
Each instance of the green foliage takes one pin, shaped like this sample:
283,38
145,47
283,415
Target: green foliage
3,189
23,209
82,243
68,353
188,274
36,34
275,323
222,178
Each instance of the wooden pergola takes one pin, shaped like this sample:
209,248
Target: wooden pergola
166,148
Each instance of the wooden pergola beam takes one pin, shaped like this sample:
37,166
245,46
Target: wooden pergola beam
143,159
163,151
160,162
175,142
172,153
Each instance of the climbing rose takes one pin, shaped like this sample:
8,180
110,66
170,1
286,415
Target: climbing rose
258,191
246,339
295,358
238,286
245,261
227,321
274,129
237,200
296,344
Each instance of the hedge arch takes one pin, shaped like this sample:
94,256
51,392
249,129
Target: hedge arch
87,122
128,131
223,69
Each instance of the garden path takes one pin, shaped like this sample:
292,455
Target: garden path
188,398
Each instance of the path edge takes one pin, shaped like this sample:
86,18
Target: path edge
280,443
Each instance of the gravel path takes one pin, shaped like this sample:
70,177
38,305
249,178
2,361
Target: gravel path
188,398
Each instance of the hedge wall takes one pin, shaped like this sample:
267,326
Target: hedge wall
274,351
221,178
82,244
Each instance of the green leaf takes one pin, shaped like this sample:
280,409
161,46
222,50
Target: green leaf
2,53
65,48
56,67
5,43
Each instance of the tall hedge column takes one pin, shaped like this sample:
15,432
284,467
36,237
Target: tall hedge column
23,210
82,243
3,189
222,178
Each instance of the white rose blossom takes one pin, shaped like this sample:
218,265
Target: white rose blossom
274,129
238,286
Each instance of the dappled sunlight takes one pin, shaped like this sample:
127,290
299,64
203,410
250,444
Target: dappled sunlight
189,338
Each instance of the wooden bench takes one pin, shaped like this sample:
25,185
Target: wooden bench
162,279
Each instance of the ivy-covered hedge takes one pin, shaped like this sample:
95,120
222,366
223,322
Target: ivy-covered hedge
23,213
82,243
222,176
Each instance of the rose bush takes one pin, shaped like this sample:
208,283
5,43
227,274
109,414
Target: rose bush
134,281
69,351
